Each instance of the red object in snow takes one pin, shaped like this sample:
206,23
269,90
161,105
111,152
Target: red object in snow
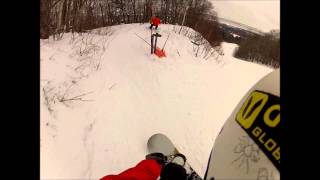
155,21
160,53
145,170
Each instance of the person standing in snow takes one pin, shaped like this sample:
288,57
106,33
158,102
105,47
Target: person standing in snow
155,21
153,167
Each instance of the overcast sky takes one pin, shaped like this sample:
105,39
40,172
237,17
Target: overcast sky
261,14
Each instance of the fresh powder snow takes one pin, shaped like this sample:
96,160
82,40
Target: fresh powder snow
103,95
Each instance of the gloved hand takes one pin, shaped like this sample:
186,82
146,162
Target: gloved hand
159,157
173,171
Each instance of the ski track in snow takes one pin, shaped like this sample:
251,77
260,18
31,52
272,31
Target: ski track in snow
89,146
134,95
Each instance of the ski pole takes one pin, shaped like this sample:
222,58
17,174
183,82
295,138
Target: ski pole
142,39
165,42
155,45
152,44
151,41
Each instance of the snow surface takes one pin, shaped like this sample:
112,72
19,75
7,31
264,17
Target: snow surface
122,95
260,14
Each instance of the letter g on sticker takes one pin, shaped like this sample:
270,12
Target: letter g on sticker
251,109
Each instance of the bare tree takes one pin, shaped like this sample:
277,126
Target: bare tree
44,19
59,16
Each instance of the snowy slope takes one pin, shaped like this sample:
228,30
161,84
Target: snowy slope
116,95
260,14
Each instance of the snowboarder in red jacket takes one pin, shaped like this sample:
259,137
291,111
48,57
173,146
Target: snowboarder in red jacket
155,21
150,169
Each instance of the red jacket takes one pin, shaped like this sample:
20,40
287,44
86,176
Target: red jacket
155,21
146,170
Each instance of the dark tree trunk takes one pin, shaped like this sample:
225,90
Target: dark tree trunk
44,19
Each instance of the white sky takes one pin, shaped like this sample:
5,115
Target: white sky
260,14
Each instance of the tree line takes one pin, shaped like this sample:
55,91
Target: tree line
60,16
263,49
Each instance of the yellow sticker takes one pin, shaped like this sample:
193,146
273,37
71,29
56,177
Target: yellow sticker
266,117
259,116
251,109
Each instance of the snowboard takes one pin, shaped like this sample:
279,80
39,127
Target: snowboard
161,143
248,146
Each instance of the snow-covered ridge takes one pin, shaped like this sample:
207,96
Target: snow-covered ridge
241,26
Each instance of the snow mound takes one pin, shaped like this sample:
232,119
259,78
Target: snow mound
103,95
